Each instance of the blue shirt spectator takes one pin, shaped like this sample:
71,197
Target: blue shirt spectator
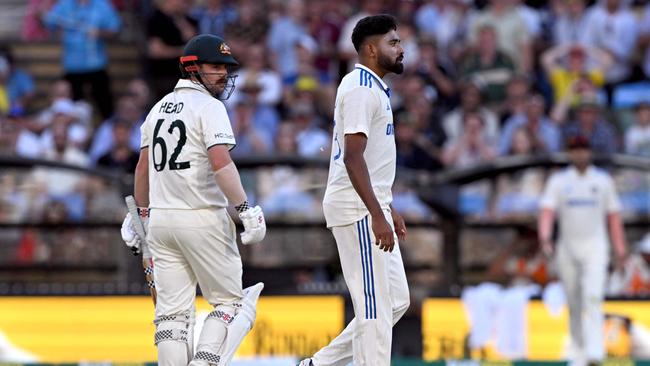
128,112
20,84
254,126
546,136
82,23
214,17
589,123
287,32
103,139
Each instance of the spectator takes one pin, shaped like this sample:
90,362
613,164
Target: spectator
33,29
254,125
282,189
305,51
583,88
4,90
471,147
62,184
347,53
122,156
285,140
612,27
517,93
285,34
60,98
443,21
256,72
307,88
63,111
251,27
436,75
644,39
634,279
512,33
532,18
138,90
409,42
521,263
325,28
488,66
470,102
168,29
547,137
414,150
19,84
310,138
128,112
214,17
85,26
17,140
637,137
589,122
518,193
569,27
563,76
417,107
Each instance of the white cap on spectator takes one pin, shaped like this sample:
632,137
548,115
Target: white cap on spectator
64,106
644,245
308,43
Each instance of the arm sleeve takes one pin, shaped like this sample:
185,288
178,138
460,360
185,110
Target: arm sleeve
612,201
551,197
358,107
55,16
111,20
215,126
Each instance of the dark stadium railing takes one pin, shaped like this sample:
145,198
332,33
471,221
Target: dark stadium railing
440,190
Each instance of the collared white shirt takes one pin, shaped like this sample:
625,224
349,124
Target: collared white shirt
178,131
362,106
581,203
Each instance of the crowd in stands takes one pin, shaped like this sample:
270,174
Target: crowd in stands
483,79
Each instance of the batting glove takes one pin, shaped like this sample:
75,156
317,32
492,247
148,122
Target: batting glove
129,235
254,225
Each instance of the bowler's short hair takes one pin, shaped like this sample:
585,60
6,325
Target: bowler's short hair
372,26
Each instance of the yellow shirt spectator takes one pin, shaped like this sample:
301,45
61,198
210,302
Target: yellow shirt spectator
562,80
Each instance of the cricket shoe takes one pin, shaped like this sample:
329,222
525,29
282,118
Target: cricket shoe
306,362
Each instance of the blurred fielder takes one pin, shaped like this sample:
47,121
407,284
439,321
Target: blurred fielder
185,177
586,203
358,198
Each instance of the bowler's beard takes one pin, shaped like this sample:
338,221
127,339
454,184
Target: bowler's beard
394,66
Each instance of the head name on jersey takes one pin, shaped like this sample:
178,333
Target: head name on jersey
169,107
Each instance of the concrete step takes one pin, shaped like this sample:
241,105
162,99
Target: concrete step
43,61
51,51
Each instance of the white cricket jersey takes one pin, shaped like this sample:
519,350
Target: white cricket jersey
581,203
362,106
178,131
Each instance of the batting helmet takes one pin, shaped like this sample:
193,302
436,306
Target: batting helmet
207,49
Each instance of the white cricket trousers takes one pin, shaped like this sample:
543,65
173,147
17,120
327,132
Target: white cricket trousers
377,284
583,274
191,246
